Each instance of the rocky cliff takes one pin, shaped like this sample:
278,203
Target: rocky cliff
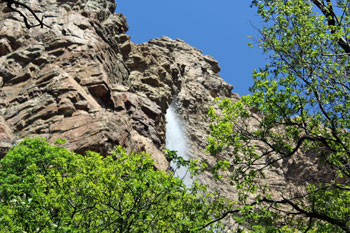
83,80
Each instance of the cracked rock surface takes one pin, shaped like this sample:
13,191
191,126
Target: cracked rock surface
83,80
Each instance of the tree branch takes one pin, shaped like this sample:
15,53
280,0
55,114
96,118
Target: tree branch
220,218
312,214
332,20
25,19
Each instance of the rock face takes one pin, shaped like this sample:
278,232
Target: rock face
71,81
83,80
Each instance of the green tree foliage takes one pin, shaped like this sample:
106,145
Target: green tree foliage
300,102
46,188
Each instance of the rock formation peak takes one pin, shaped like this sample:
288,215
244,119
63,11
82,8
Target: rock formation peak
83,80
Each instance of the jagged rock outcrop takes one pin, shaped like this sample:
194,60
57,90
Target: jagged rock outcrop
70,81
199,84
83,80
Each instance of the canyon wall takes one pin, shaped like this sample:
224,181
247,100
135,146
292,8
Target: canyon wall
83,80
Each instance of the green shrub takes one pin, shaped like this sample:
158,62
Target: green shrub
47,188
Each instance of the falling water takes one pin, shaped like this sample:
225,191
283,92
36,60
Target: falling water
176,140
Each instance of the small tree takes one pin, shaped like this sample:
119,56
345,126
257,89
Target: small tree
46,188
300,102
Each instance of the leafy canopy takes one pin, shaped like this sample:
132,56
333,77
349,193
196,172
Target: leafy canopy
300,102
46,188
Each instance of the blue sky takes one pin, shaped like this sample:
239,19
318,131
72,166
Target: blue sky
218,28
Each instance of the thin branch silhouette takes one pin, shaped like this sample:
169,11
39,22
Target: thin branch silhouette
13,4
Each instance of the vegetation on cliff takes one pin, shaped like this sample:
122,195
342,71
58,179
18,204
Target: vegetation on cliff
300,104
298,112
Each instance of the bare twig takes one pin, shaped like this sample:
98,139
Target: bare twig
336,55
10,4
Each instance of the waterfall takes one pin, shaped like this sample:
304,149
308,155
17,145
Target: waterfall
176,140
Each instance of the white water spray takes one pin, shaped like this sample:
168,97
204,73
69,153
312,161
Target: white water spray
176,140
